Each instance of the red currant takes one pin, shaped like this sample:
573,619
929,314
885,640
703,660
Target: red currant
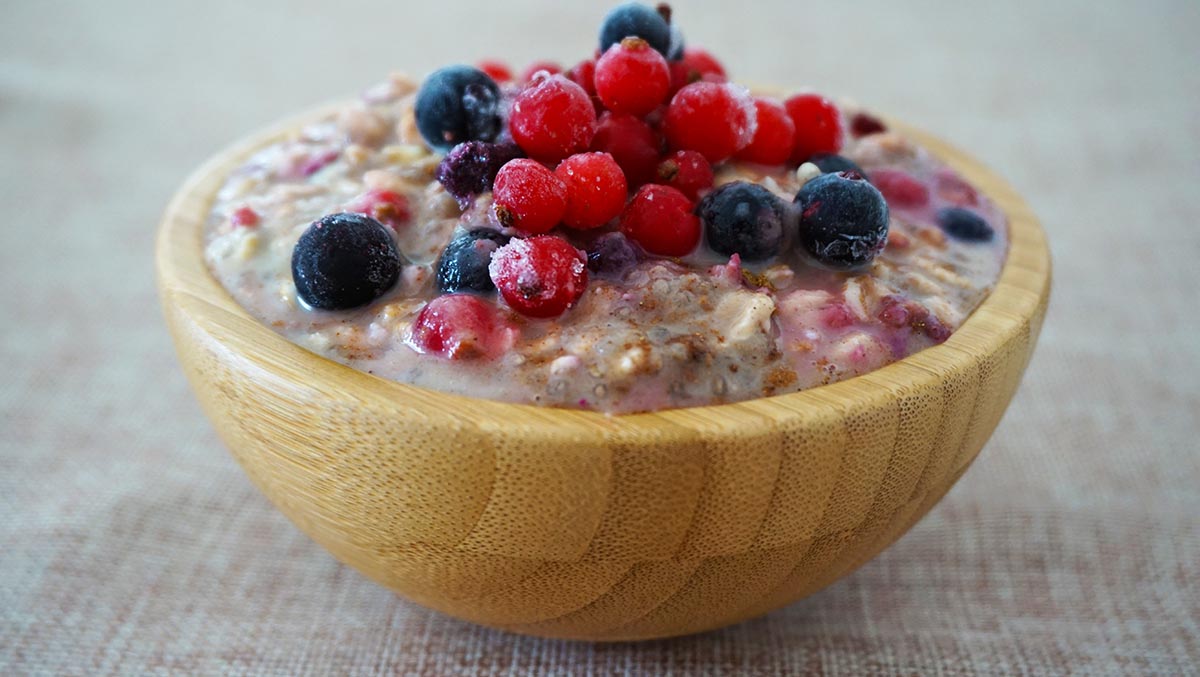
461,326
818,126
687,171
538,66
702,62
900,189
552,119
716,120
244,216
632,77
529,197
774,135
496,70
584,75
632,143
660,219
385,206
540,276
596,189
695,66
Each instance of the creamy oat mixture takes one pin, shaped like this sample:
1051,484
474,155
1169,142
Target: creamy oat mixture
664,332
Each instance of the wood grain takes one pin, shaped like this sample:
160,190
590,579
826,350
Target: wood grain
575,524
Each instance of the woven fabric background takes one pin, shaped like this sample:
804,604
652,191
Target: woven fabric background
131,543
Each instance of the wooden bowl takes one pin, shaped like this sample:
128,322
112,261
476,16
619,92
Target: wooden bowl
575,524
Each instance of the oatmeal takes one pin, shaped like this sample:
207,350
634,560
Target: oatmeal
689,245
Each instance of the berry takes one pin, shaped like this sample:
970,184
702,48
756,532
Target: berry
675,51
702,63
900,189
831,163
470,168
584,75
636,20
696,65
964,224
529,197
687,171
244,217
862,124
953,189
744,218
553,118
660,219
596,189
612,254
774,134
385,206
843,220
344,261
537,67
541,276
818,126
461,326
496,70
632,143
632,78
463,265
456,104
716,120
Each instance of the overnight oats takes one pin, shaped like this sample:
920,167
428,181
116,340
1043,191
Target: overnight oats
632,234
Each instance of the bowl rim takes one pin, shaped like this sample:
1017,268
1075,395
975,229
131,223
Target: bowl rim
187,286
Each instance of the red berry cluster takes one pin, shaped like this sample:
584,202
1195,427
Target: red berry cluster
627,140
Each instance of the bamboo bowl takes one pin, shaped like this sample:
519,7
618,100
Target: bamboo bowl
575,524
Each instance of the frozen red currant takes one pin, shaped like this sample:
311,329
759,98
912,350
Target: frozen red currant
686,171
774,134
900,189
715,120
701,62
596,189
496,70
528,196
540,276
537,67
695,66
660,219
462,326
632,143
552,118
584,75
632,77
818,126
385,206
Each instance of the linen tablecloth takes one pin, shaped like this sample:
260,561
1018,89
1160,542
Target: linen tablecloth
131,543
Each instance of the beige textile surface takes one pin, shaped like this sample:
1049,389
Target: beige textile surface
130,542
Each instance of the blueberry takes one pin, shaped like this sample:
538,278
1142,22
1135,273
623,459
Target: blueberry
456,104
635,19
463,265
345,261
612,254
675,51
831,163
470,168
964,224
843,220
745,219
